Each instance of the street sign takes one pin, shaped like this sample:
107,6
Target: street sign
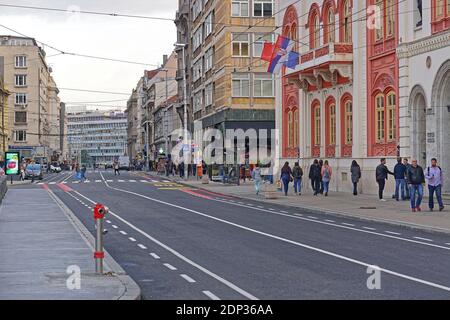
12,163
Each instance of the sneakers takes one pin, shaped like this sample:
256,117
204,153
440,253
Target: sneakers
441,209
382,200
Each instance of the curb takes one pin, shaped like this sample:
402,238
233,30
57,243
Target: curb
131,289
333,212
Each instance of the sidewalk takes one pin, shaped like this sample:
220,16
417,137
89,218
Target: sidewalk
362,206
39,239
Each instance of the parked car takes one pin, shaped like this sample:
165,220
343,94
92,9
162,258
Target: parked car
55,168
34,170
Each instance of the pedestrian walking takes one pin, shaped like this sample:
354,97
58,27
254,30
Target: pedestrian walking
381,175
83,173
326,177
400,180
181,170
315,176
286,177
116,168
321,181
22,173
407,165
416,179
355,170
257,178
297,173
435,178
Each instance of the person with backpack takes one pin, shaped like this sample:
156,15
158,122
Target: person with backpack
355,170
315,176
400,181
435,177
297,173
381,175
326,177
286,177
416,179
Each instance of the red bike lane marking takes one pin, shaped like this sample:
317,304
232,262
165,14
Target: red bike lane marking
45,186
64,187
196,194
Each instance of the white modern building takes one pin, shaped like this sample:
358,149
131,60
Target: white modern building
97,137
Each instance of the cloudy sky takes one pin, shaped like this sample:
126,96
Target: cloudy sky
131,39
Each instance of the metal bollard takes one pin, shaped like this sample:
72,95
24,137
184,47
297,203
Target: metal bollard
99,214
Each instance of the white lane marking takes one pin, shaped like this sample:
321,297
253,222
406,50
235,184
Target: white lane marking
155,181
348,224
261,207
154,255
249,204
424,239
40,183
311,217
395,233
108,221
448,244
123,232
52,183
142,246
109,180
64,182
97,181
169,266
132,239
299,244
132,180
370,230
332,221
120,180
143,181
115,227
187,278
166,181
211,295
271,209
179,255
298,214
284,212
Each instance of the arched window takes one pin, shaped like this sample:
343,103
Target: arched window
348,122
317,126
290,130
332,125
391,116
347,22
379,118
316,33
379,30
296,129
330,26
390,24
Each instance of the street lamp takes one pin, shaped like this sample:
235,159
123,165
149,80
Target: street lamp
185,134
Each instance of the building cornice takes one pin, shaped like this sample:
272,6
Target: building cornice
424,45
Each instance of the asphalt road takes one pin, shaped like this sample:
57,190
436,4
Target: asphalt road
182,243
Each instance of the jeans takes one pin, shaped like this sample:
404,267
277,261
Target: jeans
257,185
326,186
400,184
381,184
413,189
315,183
285,185
355,188
298,185
438,191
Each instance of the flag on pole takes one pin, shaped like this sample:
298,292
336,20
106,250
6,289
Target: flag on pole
280,54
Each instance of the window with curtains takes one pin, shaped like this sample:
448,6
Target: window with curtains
379,30
332,124
317,127
347,19
296,129
391,116
379,118
290,129
330,26
390,25
348,125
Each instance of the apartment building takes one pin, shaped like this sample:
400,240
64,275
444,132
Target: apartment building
373,82
229,87
34,104
97,137
3,114
134,149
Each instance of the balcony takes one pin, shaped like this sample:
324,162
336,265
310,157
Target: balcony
327,61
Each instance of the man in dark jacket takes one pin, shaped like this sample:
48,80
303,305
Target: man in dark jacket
315,176
416,179
381,175
400,181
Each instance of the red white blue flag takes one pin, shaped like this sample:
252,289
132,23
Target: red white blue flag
280,54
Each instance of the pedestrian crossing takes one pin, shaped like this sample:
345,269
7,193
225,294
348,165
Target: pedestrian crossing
162,185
